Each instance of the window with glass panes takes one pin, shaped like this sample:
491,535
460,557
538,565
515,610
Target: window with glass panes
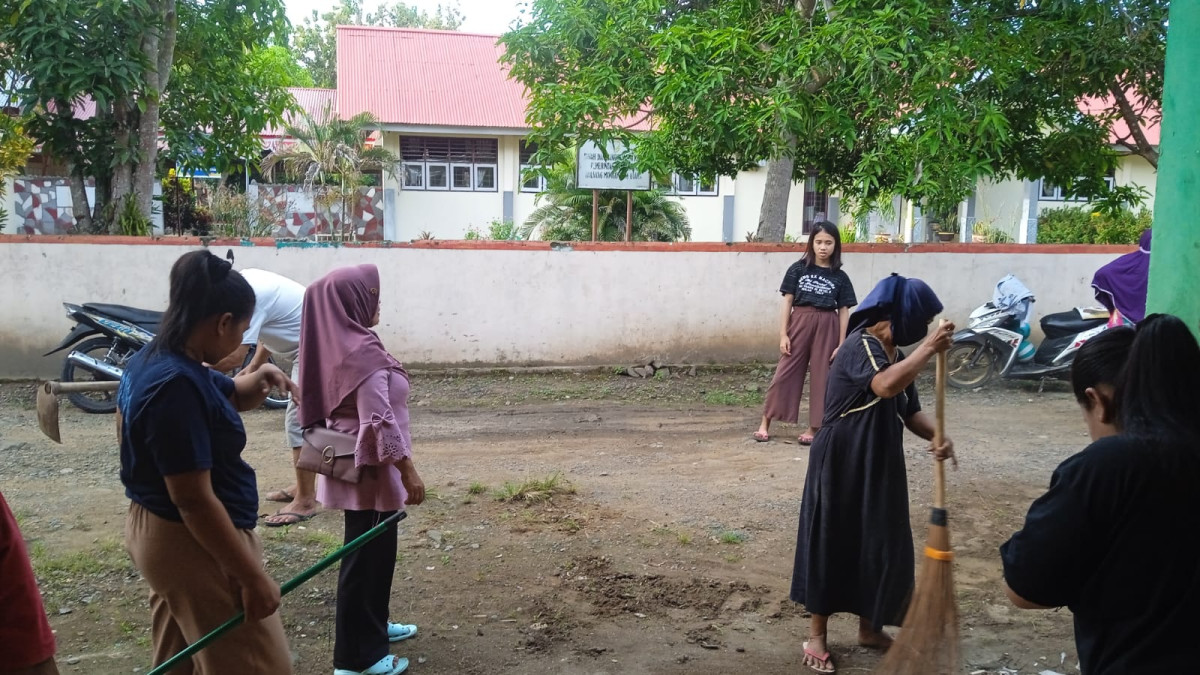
449,163
531,180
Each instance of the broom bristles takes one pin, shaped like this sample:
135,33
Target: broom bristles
928,641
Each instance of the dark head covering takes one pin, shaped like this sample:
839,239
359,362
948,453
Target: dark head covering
1121,284
910,304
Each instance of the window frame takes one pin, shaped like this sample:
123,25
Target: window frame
495,168
531,172
429,186
404,167
1058,196
454,166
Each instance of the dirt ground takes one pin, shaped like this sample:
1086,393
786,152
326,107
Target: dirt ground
665,545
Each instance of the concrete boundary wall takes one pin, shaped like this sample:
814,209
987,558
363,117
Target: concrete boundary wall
478,304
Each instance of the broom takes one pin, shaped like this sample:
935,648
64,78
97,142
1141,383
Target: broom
928,640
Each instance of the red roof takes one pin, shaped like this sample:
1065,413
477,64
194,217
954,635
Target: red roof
422,77
1118,129
312,101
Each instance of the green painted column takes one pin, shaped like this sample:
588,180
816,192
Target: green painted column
1175,250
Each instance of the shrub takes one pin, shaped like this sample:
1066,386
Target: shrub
1074,225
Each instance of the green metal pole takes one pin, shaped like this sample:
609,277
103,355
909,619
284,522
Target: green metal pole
1175,250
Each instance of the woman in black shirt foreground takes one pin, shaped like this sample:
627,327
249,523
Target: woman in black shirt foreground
1116,538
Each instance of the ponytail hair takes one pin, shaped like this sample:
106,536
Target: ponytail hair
1100,361
1156,397
202,286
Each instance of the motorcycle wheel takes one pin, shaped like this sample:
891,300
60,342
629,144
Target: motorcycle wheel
98,402
969,365
276,400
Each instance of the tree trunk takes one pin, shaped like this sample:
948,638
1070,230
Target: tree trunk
772,217
159,49
80,208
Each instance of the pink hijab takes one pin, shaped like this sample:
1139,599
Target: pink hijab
338,350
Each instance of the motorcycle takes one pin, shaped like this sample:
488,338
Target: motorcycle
995,341
103,340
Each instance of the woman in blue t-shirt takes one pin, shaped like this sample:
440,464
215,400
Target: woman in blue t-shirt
190,528
817,297
1116,537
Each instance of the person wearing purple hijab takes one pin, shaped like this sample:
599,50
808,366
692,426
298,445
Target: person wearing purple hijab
1121,284
350,383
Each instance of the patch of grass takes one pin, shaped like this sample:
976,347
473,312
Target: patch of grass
445,559
127,627
571,525
477,488
729,397
327,542
684,538
433,493
535,490
731,537
107,557
732,558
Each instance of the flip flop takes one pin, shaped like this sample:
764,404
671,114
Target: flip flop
296,519
287,496
826,663
805,439
761,437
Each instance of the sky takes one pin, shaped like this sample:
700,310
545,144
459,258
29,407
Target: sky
482,16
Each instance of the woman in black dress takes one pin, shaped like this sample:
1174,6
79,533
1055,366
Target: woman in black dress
854,548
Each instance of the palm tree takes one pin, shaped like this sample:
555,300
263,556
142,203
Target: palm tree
567,215
329,157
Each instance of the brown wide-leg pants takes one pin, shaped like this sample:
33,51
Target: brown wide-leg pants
814,336
190,596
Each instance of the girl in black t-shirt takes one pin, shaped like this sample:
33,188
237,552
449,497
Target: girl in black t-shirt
1116,537
817,297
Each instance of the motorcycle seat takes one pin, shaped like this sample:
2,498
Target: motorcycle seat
140,317
1064,324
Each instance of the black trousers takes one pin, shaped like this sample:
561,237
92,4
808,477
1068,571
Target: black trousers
364,591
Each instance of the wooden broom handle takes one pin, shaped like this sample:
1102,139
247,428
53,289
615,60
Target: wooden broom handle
939,432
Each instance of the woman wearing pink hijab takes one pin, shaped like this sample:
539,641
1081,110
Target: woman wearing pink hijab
349,383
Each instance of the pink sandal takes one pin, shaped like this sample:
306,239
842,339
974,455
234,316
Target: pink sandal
805,439
824,661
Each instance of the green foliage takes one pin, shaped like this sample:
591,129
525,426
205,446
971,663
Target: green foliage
128,219
503,230
919,98
181,214
235,215
566,214
15,149
1074,225
229,83
315,42
328,157
198,77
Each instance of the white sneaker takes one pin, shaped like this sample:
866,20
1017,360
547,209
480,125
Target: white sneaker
388,665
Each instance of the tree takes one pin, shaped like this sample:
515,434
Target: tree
918,98
315,43
189,70
328,156
567,213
